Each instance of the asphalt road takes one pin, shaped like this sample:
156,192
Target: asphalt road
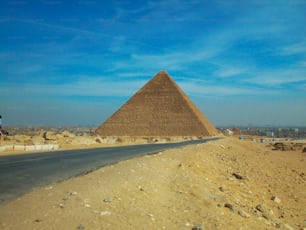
20,174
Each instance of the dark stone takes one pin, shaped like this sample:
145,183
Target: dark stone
108,200
229,206
260,208
81,227
237,176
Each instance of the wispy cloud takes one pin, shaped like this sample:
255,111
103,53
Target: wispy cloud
219,90
293,49
229,72
42,23
279,78
98,87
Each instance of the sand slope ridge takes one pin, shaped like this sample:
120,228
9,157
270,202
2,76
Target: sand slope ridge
225,184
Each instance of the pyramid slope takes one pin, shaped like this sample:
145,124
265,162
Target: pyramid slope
159,108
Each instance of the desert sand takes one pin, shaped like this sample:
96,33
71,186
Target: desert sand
225,184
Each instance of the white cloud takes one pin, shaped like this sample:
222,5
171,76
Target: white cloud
195,89
84,87
215,48
293,49
278,77
229,72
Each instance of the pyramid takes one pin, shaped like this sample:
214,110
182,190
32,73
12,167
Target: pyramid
159,108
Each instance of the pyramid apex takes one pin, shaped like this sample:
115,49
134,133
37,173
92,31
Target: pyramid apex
162,75
163,72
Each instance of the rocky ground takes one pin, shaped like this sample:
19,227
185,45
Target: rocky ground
48,141
225,184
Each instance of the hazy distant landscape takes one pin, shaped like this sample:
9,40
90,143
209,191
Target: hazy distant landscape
279,132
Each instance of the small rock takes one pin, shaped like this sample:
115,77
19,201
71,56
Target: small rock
265,213
260,208
198,227
67,134
276,199
73,193
105,213
237,176
49,135
182,192
302,174
80,227
277,224
108,200
221,189
243,214
87,205
38,220
229,206
151,216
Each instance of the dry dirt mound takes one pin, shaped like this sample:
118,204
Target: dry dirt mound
226,184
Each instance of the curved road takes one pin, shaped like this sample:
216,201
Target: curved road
19,174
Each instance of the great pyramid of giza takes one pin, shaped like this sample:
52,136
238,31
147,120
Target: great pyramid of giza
159,108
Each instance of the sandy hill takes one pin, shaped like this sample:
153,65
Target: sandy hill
225,184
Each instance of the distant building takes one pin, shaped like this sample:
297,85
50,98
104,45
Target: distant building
270,134
228,132
236,131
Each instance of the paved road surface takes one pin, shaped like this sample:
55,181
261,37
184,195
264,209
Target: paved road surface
19,174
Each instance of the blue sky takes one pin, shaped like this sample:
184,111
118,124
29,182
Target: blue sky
76,62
